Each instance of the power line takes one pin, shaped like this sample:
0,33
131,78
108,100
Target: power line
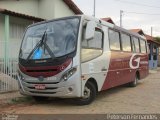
141,13
139,4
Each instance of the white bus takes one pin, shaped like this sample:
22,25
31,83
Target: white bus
78,56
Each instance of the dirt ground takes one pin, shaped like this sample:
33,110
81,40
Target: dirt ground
145,98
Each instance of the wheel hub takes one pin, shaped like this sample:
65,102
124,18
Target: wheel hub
86,93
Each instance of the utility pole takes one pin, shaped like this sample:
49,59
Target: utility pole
94,8
151,31
121,14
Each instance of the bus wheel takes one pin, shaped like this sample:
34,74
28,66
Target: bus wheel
134,83
90,93
39,99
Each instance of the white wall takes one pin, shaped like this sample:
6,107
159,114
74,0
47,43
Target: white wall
14,43
50,9
18,21
46,9
29,7
62,10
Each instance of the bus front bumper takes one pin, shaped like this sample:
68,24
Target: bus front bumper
66,89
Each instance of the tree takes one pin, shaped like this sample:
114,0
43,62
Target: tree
157,39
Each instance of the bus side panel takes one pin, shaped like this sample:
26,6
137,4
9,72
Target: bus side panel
144,66
120,71
93,69
128,74
115,74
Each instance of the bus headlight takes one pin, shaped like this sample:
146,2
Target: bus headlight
68,74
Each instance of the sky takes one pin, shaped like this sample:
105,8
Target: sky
138,14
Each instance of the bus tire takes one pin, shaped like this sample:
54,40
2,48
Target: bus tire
39,98
134,83
90,93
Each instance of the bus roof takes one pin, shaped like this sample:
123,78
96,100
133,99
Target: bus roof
113,26
91,18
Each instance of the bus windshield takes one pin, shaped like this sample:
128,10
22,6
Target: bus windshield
51,39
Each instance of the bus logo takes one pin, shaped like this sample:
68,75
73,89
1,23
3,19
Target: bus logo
136,60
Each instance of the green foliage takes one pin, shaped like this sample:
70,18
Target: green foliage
157,39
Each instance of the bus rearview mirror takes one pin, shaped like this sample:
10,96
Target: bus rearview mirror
90,29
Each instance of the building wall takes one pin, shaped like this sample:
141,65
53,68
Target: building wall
29,7
1,36
1,27
17,29
47,9
62,10
15,36
159,57
153,63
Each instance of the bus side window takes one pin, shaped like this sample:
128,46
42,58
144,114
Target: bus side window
136,45
143,46
96,42
92,48
114,40
133,45
126,42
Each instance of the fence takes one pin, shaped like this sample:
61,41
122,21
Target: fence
8,66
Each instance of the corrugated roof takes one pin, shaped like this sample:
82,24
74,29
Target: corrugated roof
151,39
73,6
139,31
135,30
108,19
148,37
12,13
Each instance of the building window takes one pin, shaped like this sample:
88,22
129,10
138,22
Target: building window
17,30
149,56
126,42
154,57
114,40
154,52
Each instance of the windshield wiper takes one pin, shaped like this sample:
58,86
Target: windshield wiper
39,44
47,47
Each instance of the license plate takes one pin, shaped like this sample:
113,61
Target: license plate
40,87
